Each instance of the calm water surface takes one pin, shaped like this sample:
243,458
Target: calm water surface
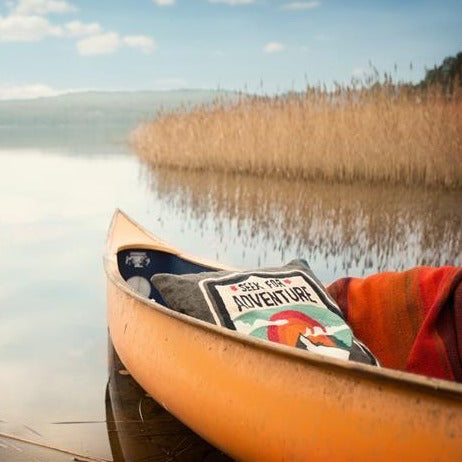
56,204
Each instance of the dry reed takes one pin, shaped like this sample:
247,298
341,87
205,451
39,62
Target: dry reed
386,133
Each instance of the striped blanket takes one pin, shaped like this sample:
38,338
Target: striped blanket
410,320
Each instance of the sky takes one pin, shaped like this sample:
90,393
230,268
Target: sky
56,46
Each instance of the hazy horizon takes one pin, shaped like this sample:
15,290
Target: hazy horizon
90,122
116,91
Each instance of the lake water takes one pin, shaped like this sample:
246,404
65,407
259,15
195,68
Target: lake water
57,199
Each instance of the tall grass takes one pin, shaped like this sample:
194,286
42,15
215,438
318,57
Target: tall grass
381,133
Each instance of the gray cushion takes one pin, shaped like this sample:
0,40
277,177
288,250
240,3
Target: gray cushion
288,305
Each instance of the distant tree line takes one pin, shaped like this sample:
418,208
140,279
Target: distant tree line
448,74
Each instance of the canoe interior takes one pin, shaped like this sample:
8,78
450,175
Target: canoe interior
144,259
144,263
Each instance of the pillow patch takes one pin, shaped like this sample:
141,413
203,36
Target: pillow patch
287,305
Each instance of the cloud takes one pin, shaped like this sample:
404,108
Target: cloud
146,44
164,2
42,7
79,29
27,23
28,91
101,44
110,42
233,2
301,5
27,29
273,47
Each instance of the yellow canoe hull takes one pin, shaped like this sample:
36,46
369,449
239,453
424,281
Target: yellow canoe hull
259,401
139,429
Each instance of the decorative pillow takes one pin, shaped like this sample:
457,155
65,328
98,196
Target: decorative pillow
287,305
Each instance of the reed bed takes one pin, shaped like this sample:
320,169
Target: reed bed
383,133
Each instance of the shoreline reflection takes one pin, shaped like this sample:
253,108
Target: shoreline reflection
360,227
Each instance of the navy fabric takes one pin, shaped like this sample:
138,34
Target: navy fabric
152,263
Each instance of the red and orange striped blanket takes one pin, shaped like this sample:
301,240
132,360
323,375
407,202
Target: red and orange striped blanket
410,320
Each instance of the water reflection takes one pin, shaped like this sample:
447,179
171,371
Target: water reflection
66,140
351,228
55,213
140,429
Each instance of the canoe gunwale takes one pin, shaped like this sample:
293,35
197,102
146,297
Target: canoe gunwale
397,378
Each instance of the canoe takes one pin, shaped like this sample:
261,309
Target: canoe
139,428
256,400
